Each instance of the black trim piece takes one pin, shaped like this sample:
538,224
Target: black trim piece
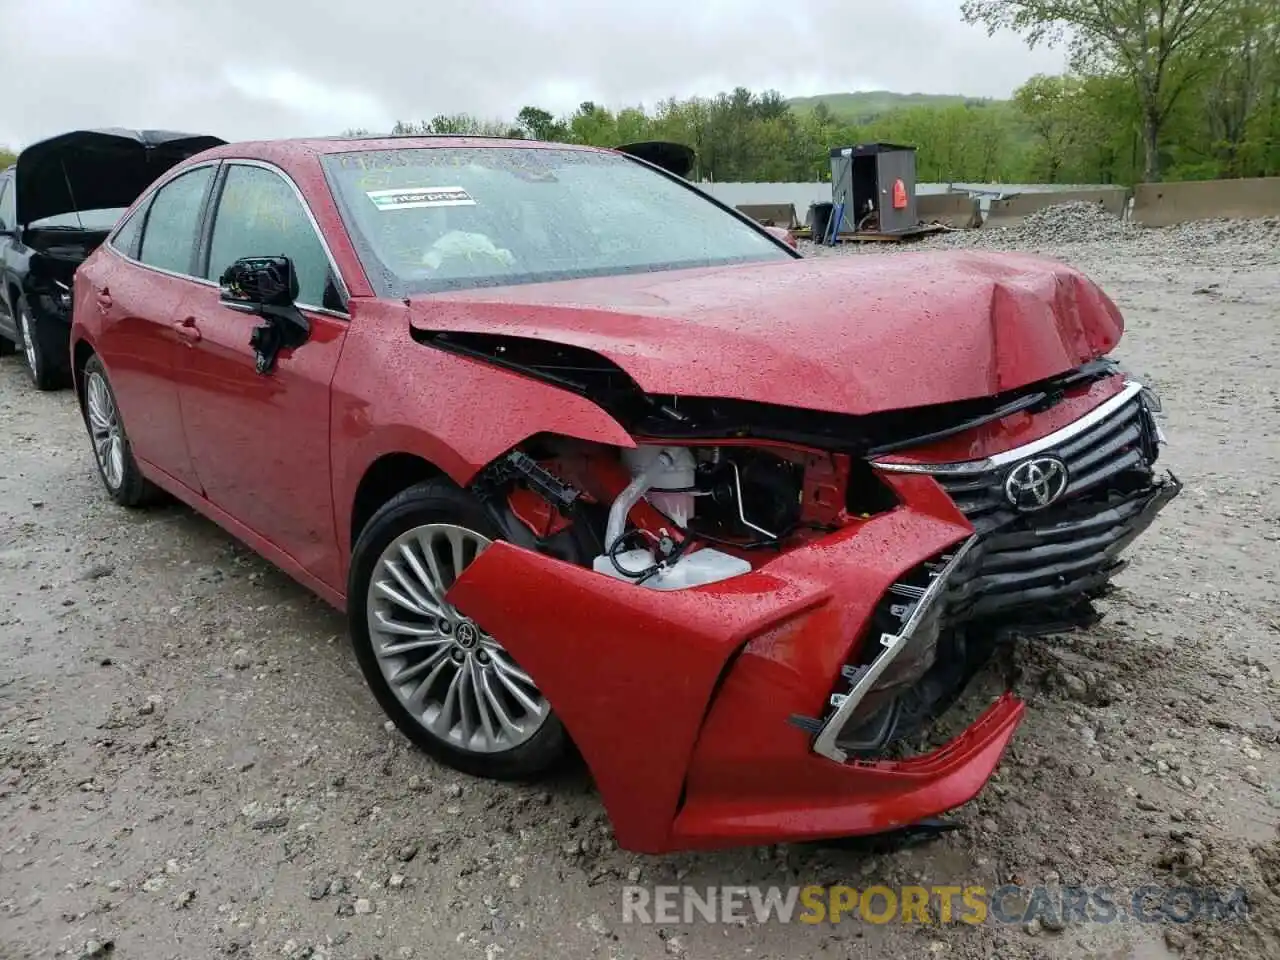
208,215
576,369
867,435
1045,398
1014,406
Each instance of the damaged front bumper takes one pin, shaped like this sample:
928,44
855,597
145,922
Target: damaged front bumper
681,702
757,709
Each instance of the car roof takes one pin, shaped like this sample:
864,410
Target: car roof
281,151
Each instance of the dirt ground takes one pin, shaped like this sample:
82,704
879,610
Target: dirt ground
191,767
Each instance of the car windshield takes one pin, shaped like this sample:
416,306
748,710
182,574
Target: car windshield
103,219
446,218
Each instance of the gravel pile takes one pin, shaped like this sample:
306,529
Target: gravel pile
1073,231
1264,233
1079,222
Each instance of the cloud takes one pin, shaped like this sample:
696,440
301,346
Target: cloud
246,69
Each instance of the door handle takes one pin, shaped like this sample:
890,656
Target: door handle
187,329
104,299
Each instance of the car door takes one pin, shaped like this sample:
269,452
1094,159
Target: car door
8,278
260,441
149,272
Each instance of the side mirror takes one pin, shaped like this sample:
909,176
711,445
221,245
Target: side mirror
252,283
266,287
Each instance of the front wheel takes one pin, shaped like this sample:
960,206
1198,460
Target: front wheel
449,686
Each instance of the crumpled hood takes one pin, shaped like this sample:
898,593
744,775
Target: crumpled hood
855,335
97,169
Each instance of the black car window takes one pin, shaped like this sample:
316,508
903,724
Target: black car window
169,236
259,215
8,204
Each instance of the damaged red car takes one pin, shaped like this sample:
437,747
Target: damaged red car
596,464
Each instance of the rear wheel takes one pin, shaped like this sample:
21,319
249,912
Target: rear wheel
111,450
449,686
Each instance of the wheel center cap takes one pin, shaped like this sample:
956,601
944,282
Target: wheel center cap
467,635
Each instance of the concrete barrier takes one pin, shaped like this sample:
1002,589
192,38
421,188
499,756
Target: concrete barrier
1164,204
771,214
1011,210
953,209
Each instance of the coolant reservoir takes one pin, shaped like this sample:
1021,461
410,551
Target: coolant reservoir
691,570
679,475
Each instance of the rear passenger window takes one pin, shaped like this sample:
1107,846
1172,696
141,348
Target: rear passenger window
126,238
169,237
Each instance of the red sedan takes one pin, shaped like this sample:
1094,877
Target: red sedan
593,462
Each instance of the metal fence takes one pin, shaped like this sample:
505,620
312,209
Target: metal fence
801,195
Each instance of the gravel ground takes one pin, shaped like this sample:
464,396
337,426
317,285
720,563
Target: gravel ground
190,765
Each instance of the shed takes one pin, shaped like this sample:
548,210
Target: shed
876,182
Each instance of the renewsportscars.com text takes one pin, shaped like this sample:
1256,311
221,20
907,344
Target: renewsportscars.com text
937,904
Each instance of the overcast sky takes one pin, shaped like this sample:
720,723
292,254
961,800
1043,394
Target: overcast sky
277,68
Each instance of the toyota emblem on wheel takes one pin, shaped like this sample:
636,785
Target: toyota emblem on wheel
1036,483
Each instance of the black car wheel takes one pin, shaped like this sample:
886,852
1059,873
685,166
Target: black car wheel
47,367
449,686
111,450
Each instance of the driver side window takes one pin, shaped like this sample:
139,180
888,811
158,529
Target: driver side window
259,215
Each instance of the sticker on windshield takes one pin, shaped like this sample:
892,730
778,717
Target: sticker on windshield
412,198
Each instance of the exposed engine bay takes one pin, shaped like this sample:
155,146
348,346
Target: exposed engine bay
667,516
58,252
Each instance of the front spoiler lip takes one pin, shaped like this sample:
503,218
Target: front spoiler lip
890,794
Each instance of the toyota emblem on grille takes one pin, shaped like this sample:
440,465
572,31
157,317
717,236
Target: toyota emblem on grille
1036,483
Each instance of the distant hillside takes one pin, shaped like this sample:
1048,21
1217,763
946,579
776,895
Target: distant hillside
866,106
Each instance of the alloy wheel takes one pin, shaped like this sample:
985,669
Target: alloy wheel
104,430
456,680
29,343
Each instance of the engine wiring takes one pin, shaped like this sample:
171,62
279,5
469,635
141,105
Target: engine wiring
640,576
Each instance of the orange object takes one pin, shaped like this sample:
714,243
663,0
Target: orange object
899,195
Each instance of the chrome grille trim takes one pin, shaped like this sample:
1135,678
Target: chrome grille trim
891,645
1103,411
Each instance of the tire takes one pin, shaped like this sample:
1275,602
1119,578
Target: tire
111,450
46,367
431,516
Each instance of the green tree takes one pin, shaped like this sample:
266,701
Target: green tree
1241,85
1052,108
456,124
593,125
538,124
7,158
1158,44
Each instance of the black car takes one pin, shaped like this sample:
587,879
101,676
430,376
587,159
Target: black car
57,203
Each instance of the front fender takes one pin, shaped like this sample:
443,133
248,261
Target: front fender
456,413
